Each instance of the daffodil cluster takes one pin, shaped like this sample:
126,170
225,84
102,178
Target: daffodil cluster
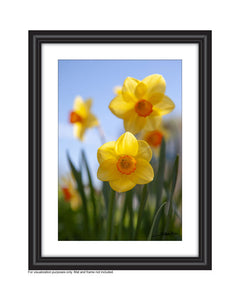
141,105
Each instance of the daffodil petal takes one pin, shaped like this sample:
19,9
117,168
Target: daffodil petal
88,104
130,84
127,144
91,121
155,83
154,123
156,113
155,98
140,90
134,123
143,173
150,123
119,107
165,106
122,184
128,89
106,151
108,170
79,130
144,151
75,201
79,107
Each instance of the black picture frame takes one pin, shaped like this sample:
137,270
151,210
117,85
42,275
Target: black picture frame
36,260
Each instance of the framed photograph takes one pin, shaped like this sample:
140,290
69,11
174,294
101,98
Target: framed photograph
120,150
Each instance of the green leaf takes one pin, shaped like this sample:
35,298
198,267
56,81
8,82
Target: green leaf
174,175
122,219
80,187
175,209
92,192
110,215
106,192
129,199
141,209
170,192
159,179
155,221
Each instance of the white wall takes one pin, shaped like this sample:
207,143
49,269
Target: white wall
16,18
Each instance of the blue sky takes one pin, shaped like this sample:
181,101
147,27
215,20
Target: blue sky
96,79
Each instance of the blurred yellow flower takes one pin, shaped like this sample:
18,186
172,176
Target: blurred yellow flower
153,135
139,102
125,163
70,194
81,117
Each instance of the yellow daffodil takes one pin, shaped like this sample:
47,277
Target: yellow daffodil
70,194
81,117
125,163
139,102
153,135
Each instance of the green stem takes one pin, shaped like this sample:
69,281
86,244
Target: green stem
159,179
110,216
80,187
122,219
171,192
129,199
92,194
141,209
155,221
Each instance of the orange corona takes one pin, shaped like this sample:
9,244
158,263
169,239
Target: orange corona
75,118
143,108
154,138
67,194
126,164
